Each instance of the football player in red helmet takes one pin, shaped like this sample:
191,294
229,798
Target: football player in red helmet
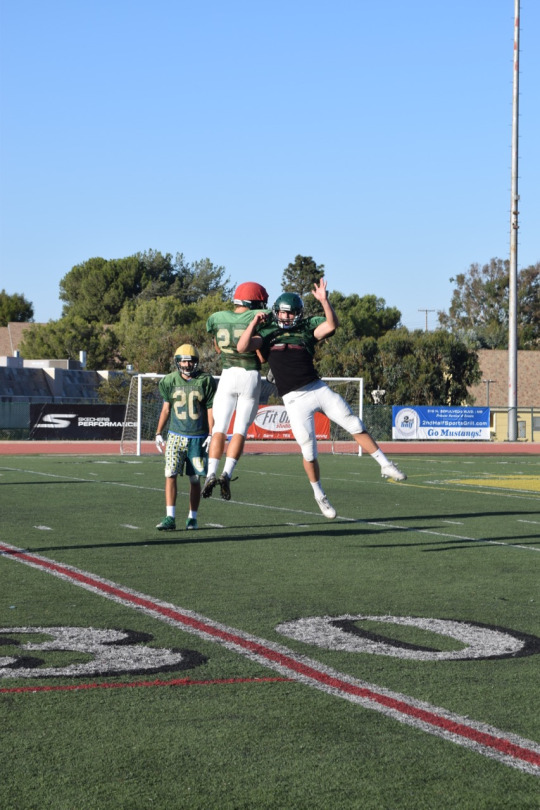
239,386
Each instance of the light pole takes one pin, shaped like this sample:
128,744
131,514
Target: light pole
513,271
488,383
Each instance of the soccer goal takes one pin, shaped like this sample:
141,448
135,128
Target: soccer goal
352,391
142,413
144,406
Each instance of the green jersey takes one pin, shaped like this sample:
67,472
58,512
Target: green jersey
189,401
290,353
226,327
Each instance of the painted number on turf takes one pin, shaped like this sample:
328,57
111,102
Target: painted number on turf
96,652
474,641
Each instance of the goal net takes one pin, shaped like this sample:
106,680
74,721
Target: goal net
352,391
144,406
142,413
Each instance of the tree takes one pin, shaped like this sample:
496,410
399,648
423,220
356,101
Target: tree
480,302
426,368
98,289
368,316
414,368
148,332
353,350
114,389
15,308
69,336
299,277
189,282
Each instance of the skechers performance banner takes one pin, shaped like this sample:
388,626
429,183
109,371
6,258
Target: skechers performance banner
53,422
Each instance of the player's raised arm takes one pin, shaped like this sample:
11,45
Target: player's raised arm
332,322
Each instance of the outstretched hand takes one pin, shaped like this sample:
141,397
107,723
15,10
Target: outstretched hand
319,292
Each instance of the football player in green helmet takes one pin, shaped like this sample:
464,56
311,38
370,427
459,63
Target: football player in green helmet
288,343
288,310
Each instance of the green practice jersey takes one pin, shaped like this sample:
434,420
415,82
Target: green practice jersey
290,353
226,327
190,401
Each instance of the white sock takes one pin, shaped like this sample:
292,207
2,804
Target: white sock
212,466
318,491
230,464
171,511
192,514
380,458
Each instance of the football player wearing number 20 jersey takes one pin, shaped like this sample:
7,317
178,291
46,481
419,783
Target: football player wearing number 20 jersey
188,396
288,343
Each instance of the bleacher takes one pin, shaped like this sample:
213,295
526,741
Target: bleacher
46,384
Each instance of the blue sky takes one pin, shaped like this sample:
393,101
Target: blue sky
374,137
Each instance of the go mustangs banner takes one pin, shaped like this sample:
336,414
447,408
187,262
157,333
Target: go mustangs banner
272,422
76,421
469,424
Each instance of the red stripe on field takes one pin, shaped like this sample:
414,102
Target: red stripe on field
287,661
134,684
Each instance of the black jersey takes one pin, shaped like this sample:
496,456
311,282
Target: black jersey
290,353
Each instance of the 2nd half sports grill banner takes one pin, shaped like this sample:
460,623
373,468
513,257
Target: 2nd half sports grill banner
53,422
440,422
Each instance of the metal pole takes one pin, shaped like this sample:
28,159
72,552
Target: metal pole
512,281
139,413
488,383
426,311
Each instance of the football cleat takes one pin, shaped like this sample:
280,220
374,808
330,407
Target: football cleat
225,485
209,485
391,471
168,524
326,507
191,523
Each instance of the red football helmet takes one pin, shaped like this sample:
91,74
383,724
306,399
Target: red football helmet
251,295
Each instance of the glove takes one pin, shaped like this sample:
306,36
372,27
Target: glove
160,444
206,443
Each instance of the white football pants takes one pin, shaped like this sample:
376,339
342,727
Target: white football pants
238,389
317,397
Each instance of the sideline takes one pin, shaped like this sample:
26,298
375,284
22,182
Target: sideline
104,448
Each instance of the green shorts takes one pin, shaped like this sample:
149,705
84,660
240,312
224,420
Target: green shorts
181,452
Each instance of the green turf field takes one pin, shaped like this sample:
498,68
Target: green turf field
224,668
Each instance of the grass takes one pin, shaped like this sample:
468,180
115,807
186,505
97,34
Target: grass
459,540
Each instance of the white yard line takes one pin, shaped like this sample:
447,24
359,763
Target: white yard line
268,507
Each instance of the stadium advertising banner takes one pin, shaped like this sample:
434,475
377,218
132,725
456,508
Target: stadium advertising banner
53,422
440,422
272,422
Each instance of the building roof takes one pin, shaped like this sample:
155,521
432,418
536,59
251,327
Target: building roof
494,366
11,337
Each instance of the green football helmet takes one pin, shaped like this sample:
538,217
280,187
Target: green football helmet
289,302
